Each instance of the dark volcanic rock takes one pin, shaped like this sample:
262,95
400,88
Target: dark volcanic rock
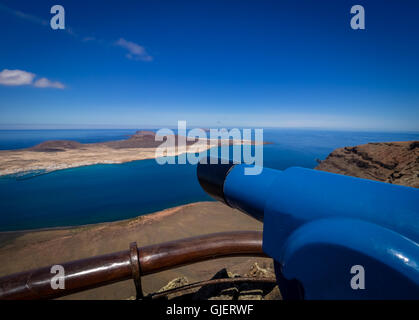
392,162
144,133
138,140
246,290
142,139
56,146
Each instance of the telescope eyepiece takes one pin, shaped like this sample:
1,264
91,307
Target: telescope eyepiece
211,176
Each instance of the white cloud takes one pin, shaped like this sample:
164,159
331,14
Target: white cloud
135,51
45,83
32,18
21,78
24,16
16,77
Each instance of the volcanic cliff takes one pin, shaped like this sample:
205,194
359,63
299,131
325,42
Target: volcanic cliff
392,162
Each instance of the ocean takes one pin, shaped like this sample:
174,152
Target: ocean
111,192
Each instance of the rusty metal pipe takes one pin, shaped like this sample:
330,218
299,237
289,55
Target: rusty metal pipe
106,269
172,254
79,275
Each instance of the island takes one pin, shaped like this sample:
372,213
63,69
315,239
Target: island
62,154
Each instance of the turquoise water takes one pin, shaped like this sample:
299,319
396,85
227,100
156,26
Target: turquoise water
102,193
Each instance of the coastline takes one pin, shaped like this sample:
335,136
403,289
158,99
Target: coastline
59,155
24,161
151,216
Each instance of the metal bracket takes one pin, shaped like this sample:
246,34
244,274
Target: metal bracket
135,267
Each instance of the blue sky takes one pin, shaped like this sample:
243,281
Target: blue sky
138,64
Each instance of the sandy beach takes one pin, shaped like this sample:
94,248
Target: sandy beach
20,251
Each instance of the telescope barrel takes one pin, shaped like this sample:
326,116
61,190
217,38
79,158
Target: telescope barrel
229,184
211,177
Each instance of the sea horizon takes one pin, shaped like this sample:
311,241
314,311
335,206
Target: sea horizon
105,134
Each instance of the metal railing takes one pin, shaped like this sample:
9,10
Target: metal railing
102,270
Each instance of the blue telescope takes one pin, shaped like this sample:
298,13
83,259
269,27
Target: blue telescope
331,236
